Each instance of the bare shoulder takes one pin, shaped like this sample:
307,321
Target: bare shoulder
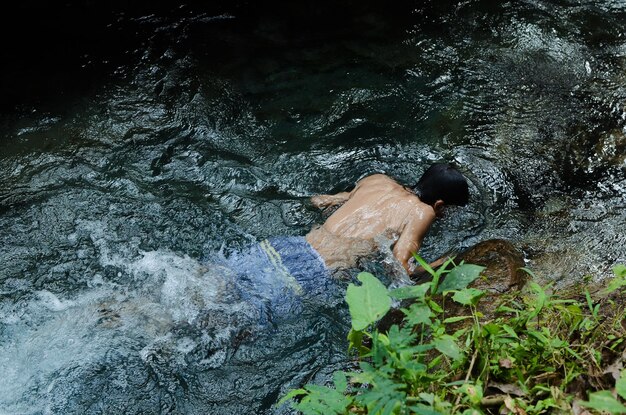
420,210
377,178
423,211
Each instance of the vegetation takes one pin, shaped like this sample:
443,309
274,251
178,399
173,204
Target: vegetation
540,353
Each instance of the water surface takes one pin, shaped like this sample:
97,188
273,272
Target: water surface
195,131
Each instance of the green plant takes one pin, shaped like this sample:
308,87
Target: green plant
528,359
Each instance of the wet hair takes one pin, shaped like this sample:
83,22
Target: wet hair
442,181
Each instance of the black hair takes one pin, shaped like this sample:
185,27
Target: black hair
442,181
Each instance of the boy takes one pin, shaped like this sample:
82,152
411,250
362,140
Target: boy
380,207
275,273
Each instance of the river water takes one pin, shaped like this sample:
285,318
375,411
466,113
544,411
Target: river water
136,152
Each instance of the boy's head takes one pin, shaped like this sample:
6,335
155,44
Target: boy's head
442,182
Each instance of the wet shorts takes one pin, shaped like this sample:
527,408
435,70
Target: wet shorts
280,274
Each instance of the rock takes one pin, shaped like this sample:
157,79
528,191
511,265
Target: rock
502,262
502,274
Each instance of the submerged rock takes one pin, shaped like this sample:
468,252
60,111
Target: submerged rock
609,150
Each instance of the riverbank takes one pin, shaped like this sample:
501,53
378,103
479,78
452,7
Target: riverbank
542,351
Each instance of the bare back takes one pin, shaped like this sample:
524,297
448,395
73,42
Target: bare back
378,206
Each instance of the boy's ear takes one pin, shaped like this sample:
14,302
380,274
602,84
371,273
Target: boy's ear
438,208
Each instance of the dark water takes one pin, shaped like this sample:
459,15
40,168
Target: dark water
136,143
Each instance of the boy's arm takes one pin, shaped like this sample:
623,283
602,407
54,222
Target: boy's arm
410,241
324,201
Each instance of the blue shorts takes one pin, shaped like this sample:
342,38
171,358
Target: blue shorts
279,275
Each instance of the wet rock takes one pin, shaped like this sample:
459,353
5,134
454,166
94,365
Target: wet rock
502,273
502,262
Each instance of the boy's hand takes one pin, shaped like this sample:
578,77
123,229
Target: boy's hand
325,201
321,201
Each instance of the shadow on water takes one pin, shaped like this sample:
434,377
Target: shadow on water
140,141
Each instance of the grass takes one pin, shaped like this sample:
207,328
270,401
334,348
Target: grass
540,353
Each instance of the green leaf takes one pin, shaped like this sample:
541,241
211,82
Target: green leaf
446,344
368,302
435,307
492,328
474,393
468,296
415,291
355,339
589,300
421,409
424,264
400,339
427,397
538,301
615,284
619,280
620,385
509,330
460,277
383,397
340,381
323,401
455,319
366,376
292,394
418,314
537,335
604,401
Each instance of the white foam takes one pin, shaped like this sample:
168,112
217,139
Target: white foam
187,287
52,302
51,337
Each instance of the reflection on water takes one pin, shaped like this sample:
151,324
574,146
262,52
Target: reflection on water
212,132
